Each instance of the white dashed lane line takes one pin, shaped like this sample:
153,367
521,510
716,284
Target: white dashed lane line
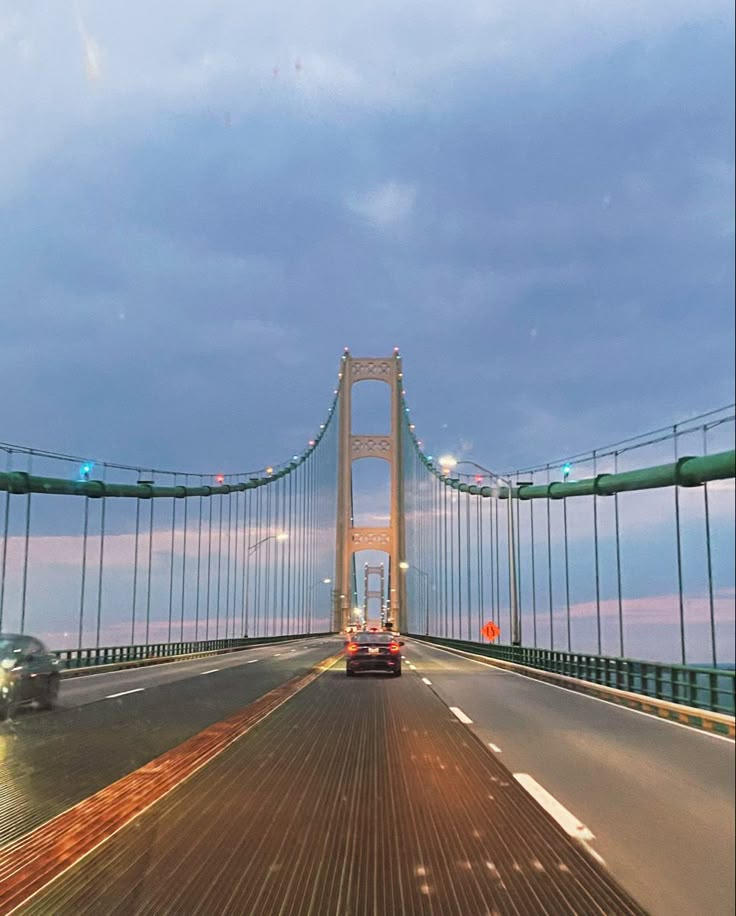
566,819
211,671
252,661
124,693
494,747
458,713
427,681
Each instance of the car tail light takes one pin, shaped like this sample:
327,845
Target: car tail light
394,647
353,647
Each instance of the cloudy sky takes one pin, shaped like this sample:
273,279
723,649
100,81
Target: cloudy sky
203,202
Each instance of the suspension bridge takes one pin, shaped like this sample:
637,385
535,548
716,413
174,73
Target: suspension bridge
561,740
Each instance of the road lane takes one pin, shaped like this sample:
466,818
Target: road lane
90,688
658,798
51,760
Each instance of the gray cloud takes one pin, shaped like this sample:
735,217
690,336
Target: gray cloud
176,236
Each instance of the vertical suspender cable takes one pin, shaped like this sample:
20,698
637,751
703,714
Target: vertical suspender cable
228,562
549,569
445,558
617,524
479,557
459,567
85,531
497,546
208,588
150,572
199,564
597,563
567,575
235,560
244,564
26,546
6,526
184,562
98,628
678,536
135,564
468,566
517,565
219,567
492,509
171,562
290,555
532,547
279,572
709,557
267,563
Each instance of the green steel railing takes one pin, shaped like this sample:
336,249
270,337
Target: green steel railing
688,471
112,655
700,687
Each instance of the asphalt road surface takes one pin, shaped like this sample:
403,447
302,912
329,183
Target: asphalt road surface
355,797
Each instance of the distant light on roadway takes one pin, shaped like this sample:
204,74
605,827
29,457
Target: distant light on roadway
282,536
403,565
448,461
327,581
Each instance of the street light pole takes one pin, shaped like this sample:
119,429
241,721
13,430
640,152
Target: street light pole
316,585
279,537
406,566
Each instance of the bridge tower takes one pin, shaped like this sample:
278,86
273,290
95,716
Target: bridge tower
351,539
369,592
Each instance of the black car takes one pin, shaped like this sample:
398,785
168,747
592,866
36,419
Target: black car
373,651
28,672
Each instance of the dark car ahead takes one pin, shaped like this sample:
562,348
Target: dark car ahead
28,672
373,651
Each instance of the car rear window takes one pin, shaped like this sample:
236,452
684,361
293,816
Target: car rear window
374,637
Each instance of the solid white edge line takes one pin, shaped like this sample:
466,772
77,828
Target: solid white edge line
579,693
569,823
124,693
427,681
494,747
459,714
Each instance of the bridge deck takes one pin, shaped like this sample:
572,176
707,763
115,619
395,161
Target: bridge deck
362,796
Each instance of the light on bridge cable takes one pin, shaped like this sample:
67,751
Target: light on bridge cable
85,469
566,470
219,479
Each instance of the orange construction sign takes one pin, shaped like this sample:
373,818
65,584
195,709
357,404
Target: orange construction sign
491,631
